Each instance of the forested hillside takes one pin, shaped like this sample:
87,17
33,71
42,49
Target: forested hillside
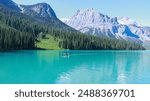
11,39
19,31
16,31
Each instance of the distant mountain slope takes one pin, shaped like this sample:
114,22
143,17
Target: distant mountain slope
40,9
44,14
41,12
127,21
142,31
92,22
10,4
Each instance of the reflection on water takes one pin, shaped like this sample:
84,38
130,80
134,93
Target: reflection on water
78,67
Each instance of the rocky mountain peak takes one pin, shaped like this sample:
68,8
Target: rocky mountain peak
40,9
89,21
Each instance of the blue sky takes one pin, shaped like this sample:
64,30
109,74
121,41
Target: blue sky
138,10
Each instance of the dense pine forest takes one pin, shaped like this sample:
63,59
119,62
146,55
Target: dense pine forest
19,31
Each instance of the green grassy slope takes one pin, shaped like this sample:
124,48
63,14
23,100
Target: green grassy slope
48,43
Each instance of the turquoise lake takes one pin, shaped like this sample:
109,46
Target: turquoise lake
75,67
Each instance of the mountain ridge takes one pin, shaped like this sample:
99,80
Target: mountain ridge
39,9
89,21
10,4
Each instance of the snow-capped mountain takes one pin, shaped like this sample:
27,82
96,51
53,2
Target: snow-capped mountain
142,31
89,21
40,9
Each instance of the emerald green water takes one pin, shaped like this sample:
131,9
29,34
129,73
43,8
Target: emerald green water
77,67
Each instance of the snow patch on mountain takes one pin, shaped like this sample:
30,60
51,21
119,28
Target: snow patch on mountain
128,21
21,8
65,19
